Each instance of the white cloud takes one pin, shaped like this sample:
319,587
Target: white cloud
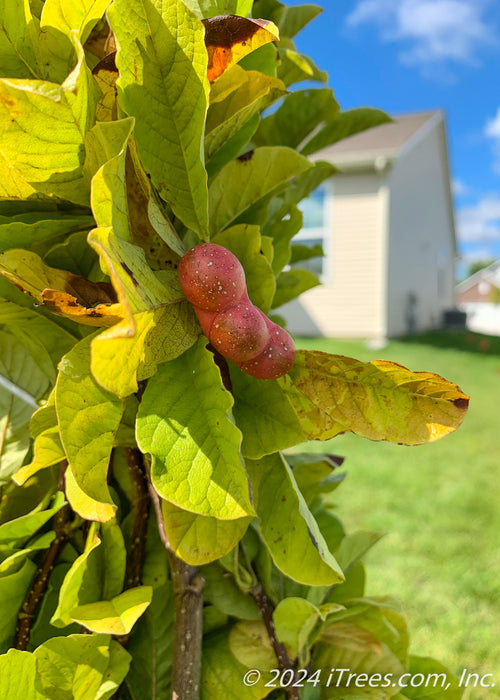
480,222
438,30
459,188
492,131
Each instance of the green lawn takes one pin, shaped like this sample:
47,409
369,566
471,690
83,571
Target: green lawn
439,505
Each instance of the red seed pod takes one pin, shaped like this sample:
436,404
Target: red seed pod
205,318
239,332
211,277
277,357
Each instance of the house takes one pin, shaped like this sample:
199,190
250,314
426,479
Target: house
386,224
479,297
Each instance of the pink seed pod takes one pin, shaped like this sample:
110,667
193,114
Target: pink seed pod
239,332
211,277
276,359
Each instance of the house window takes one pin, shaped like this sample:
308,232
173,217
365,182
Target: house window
316,230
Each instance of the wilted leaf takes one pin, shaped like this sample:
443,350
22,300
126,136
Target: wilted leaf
200,539
183,420
288,527
229,38
116,616
152,37
88,419
106,75
250,179
378,400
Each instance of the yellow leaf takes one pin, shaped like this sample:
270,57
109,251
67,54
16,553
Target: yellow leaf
378,400
229,38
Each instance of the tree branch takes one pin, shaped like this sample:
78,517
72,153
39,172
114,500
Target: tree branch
140,514
188,623
38,587
266,610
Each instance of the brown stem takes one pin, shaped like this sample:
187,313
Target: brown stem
266,611
188,624
140,514
38,587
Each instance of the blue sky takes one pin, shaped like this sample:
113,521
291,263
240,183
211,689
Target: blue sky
414,55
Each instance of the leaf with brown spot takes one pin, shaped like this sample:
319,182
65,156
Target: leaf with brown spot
64,304
106,75
378,400
229,38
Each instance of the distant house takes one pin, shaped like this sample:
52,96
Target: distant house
479,297
386,225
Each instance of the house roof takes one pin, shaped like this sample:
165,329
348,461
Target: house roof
489,274
380,143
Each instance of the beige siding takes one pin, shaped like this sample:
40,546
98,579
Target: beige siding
349,303
421,249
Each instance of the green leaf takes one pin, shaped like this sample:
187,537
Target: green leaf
86,506
249,642
42,128
88,419
47,451
295,620
265,59
18,676
247,181
345,124
222,673
114,559
300,113
222,591
152,37
264,415
288,527
212,8
282,233
161,327
226,117
306,252
199,539
75,255
246,243
446,684
183,421
290,20
21,383
24,230
353,586
82,584
295,67
80,666
291,284
59,19
15,580
355,546
233,147
116,616
378,400
152,638
17,531
18,40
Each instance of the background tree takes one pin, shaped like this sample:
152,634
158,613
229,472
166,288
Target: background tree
154,538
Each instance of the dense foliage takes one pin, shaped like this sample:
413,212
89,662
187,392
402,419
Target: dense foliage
128,135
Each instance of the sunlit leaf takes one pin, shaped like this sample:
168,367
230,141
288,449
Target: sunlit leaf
88,419
200,539
210,8
183,420
229,38
18,671
288,527
152,37
249,642
116,616
245,182
18,40
378,400
290,20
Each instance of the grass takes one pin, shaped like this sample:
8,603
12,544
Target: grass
439,504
